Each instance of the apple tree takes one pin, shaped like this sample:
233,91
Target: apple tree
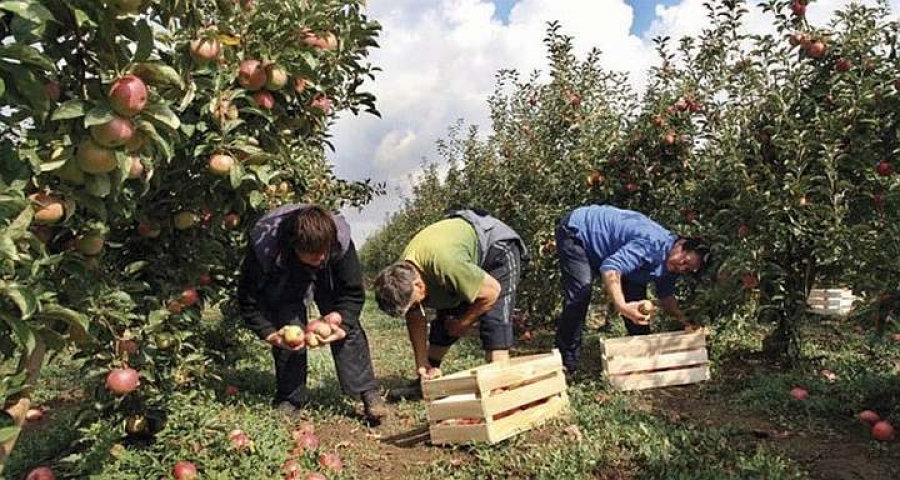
139,139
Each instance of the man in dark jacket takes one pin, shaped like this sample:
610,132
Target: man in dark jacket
299,254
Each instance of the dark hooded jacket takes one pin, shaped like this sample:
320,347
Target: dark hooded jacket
274,286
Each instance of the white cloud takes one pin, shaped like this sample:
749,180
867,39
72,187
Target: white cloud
439,59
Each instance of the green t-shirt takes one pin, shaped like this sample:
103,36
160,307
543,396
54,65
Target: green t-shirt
447,254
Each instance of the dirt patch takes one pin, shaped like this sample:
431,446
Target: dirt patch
398,448
845,453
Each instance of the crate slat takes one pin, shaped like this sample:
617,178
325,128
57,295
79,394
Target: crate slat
446,386
666,378
514,374
517,397
466,405
622,364
527,419
653,344
441,434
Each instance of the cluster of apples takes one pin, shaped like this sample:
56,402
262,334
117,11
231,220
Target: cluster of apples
317,333
305,440
881,430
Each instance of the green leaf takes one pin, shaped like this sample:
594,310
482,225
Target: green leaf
57,160
30,10
23,299
158,73
236,174
156,318
135,267
257,199
69,110
311,61
148,129
8,248
28,55
31,86
23,331
98,115
163,114
71,317
2,88
188,97
98,185
145,42
82,19
20,225
9,433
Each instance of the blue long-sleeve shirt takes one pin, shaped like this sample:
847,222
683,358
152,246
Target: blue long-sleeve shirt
627,242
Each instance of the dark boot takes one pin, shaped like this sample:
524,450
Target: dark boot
374,407
410,391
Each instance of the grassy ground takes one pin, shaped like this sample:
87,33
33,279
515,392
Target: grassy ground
743,424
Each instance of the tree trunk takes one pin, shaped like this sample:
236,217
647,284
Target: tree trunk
18,406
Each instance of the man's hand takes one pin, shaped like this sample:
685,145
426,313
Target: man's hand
631,311
333,319
428,373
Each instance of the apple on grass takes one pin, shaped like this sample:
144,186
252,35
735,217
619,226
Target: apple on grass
184,470
799,393
883,431
869,417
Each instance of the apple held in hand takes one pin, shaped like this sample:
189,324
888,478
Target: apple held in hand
293,336
320,328
647,307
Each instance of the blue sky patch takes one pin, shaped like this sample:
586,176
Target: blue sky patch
643,11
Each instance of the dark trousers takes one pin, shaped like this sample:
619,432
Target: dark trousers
577,278
352,361
504,263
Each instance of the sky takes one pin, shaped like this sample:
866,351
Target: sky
439,59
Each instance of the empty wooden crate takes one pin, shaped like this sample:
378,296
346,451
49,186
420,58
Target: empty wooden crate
830,301
496,401
657,360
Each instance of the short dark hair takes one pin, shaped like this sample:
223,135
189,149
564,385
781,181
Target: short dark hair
394,288
310,230
701,248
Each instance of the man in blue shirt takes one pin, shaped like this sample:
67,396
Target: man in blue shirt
629,251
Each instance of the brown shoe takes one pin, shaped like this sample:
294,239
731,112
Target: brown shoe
373,406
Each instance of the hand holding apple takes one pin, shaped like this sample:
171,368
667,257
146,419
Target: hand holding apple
632,311
324,331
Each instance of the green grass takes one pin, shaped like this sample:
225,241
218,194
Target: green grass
608,434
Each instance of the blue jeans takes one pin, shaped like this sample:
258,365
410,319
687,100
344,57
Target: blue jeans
577,278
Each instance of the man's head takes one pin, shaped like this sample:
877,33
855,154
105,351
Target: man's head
688,255
398,287
311,234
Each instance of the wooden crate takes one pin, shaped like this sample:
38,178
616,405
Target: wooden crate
495,401
657,360
830,301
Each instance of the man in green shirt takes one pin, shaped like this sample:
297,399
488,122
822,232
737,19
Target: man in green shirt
466,267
